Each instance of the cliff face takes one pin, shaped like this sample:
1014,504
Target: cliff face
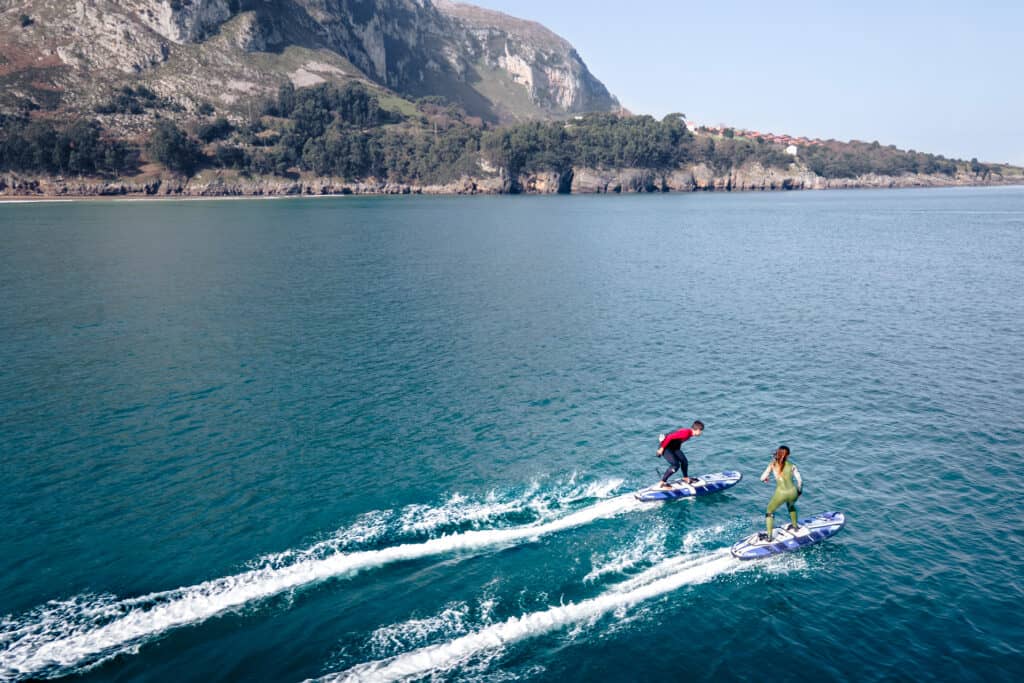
544,64
75,51
181,22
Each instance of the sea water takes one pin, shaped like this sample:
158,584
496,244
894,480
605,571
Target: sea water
388,438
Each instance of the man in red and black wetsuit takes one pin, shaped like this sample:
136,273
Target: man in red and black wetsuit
671,449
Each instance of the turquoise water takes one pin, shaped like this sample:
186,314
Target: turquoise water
385,437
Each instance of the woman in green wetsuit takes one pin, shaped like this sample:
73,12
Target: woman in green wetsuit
785,491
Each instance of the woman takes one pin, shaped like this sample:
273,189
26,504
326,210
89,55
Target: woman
785,492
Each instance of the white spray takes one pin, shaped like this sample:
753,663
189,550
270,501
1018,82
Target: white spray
660,579
55,643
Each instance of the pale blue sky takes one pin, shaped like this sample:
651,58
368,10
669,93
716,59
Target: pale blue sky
942,77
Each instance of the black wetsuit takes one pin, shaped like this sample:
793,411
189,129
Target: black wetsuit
676,461
673,453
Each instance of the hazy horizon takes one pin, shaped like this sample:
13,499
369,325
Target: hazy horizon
934,77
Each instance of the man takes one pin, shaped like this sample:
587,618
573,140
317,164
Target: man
671,449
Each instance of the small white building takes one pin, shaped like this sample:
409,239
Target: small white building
791,150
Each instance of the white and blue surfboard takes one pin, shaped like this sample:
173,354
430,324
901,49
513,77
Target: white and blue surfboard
704,484
812,530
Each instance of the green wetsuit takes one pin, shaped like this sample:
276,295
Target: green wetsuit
785,492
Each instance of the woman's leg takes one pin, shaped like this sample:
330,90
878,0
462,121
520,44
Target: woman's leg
791,504
769,515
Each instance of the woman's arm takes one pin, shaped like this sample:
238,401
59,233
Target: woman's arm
799,480
767,470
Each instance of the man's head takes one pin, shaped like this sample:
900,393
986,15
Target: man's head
697,427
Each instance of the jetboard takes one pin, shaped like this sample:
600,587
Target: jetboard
812,530
704,484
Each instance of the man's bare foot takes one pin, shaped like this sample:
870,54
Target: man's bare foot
665,485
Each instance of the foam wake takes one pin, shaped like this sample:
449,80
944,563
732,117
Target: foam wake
658,580
65,637
458,513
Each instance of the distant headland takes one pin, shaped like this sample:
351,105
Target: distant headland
243,98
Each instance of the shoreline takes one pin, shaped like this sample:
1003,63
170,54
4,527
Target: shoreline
225,185
143,198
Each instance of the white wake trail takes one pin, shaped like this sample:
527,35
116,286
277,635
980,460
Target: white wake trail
57,645
660,579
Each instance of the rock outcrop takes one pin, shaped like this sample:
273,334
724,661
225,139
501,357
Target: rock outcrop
182,21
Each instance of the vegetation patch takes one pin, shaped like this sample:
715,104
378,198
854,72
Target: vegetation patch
133,100
347,132
79,148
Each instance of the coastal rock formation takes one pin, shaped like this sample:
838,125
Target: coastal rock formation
697,178
221,184
597,181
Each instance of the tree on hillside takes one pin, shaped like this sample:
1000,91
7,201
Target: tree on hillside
218,129
170,146
285,99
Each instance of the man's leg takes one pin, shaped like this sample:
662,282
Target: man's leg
673,465
685,466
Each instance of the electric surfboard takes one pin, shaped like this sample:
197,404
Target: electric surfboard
812,530
702,486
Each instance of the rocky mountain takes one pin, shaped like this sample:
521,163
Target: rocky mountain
74,53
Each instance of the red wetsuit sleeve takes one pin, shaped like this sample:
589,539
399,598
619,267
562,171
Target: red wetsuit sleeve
679,435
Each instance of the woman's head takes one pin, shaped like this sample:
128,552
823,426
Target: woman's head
781,454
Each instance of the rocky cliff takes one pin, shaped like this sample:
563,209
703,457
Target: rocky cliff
530,56
74,53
